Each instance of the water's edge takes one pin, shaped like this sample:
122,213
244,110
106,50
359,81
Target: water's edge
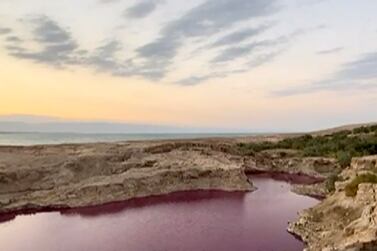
237,216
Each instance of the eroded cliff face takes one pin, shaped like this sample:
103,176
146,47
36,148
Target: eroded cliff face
60,176
41,177
288,161
37,177
342,222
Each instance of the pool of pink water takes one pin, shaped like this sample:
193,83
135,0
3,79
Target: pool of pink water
188,221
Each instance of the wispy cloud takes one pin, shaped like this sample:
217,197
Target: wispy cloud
4,30
330,51
360,74
256,61
14,39
254,53
57,46
108,1
209,18
163,48
260,52
264,58
193,80
239,36
204,26
304,3
361,69
142,9
104,57
233,53
54,45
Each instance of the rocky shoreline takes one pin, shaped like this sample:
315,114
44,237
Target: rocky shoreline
61,176
46,177
37,177
343,221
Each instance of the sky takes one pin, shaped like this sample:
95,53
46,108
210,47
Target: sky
233,64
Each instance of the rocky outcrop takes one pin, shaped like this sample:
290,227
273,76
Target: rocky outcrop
90,174
287,161
341,222
62,176
317,190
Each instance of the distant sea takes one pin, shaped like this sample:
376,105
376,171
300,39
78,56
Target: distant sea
28,138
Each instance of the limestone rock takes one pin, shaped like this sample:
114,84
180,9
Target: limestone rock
58,176
287,162
341,223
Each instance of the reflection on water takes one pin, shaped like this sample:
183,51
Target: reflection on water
181,222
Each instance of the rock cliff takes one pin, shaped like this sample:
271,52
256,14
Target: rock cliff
40,177
347,219
63,176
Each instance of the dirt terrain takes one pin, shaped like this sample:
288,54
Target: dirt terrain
45,177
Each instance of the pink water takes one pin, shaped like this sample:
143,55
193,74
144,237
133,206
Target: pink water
191,221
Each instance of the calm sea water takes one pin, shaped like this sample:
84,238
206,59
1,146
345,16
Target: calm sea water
60,138
192,221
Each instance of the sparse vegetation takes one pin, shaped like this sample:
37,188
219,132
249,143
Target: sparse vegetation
341,145
330,182
365,129
344,158
352,188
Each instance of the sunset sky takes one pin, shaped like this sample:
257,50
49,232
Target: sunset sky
243,64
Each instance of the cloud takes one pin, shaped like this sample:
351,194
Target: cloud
258,60
142,9
209,18
361,69
235,52
103,58
4,30
305,3
330,51
193,80
48,31
153,70
239,36
264,58
162,48
214,15
58,48
14,39
56,45
14,49
357,75
108,1
256,54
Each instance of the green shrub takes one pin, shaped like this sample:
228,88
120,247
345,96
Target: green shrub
344,158
340,145
363,129
330,182
353,186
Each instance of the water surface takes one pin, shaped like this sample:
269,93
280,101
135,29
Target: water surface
28,138
190,221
